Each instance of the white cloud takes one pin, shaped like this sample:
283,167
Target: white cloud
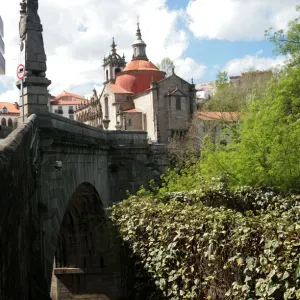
75,57
188,68
10,96
238,19
238,65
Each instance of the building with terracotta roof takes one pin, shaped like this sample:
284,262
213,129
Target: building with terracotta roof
9,113
2,60
216,125
65,104
138,96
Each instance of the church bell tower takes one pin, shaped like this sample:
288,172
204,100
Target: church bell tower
113,64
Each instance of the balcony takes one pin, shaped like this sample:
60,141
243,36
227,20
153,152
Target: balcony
59,112
71,111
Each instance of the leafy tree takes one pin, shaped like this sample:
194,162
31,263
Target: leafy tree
287,43
235,97
166,65
222,79
267,151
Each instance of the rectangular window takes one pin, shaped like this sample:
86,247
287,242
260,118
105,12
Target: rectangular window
71,117
71,110
178,103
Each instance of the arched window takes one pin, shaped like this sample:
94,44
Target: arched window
3,122
117,70
106,74
106,107
10,123
4,110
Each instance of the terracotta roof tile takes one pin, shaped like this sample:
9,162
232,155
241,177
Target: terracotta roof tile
11,108
68,94
117,89
140,65
67,102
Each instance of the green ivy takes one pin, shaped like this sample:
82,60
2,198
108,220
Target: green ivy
215,244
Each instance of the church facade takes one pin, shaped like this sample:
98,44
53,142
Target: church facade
138,96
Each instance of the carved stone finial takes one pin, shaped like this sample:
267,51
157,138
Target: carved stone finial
30,30
23,5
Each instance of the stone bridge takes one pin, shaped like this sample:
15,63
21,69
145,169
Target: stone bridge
57,177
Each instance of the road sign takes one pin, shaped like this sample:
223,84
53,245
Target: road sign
21,71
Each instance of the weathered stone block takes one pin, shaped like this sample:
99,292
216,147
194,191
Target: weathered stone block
29,99
41,58
31,56
35,90
34,108
43,99
35,66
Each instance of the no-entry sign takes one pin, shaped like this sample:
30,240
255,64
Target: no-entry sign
21,71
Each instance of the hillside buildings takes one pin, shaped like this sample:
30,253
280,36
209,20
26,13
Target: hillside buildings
2,49
138,96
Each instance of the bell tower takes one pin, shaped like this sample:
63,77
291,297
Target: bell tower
113,64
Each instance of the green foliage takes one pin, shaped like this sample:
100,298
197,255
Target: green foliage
222,79
196,249
166,65
287,43
266,151
235,97
199,235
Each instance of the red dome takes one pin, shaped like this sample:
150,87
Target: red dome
138,75
140,65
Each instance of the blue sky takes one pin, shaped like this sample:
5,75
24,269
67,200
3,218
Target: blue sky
200,36
215,53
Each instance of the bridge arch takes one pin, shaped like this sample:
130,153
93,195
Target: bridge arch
85,260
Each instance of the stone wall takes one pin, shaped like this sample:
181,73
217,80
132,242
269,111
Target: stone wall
19,222
168,118
35,191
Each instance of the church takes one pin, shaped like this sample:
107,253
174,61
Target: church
138,96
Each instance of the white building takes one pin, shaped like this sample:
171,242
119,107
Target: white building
204,92
2,48
65,104
9,113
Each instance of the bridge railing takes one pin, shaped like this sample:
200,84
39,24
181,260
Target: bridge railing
50,121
